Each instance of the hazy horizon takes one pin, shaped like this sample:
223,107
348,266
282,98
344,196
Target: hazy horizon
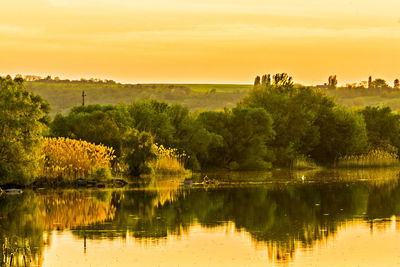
77,78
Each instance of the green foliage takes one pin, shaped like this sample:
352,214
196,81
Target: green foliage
172,126
276,122
379,83
383,127
94,123
241,136
342,132
152,116
23,120
101,173
138,152
294,111
307,122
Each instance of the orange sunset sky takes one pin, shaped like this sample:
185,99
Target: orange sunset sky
198,41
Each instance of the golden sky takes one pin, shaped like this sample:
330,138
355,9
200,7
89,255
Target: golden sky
221,41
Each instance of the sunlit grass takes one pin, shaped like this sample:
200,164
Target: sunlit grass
68,158
303,163
168,161
374,158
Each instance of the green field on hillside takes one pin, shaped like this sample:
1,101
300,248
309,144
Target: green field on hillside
220,88
62,96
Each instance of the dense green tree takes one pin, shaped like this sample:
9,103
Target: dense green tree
379,84
294,111
113,126
94,123
342,132
152,116
383,127
172,126
243,133
190,136
138,152
23,120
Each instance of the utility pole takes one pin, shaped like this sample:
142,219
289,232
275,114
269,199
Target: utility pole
83,98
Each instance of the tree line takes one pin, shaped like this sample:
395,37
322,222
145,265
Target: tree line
273,126
371,84
56,79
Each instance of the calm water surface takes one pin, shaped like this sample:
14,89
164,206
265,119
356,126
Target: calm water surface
331,218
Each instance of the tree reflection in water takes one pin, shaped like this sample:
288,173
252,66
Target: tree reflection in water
26,220
283,216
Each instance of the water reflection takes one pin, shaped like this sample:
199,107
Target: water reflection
26,218
282,216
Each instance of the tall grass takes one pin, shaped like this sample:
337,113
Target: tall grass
168,161
303,163
69,158
374,158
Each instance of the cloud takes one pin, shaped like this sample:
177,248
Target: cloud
58,3
14,30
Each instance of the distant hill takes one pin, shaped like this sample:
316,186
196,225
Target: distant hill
63,95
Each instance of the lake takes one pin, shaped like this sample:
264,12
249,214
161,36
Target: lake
305,218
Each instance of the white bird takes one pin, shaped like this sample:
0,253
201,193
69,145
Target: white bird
303,178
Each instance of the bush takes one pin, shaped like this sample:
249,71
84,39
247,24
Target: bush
168,161
68,158
139,152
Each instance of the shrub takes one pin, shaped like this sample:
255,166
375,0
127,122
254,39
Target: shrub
101,173
168,161
69,158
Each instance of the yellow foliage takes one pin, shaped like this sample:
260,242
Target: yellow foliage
169,160
69,158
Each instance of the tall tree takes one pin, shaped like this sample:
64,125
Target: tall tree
332,82
379,84
396,84
383,127
342,132
294,111
23,120
243,134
